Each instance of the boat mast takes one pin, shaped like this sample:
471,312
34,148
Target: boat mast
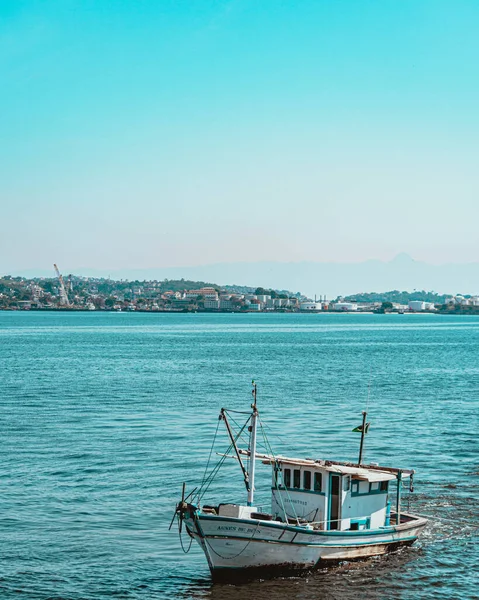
252,448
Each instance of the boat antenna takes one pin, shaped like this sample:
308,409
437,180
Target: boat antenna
252,445
364,427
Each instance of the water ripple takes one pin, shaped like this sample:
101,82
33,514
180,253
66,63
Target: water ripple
103,415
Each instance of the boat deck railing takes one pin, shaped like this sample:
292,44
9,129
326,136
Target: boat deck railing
405,518
318,524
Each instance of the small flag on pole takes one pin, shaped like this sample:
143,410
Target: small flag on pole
360,428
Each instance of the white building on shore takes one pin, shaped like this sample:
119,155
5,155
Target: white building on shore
462,301
420,306
345,306
310,306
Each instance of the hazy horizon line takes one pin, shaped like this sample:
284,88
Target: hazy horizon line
400,257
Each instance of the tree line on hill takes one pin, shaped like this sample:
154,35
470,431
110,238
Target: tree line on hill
399,297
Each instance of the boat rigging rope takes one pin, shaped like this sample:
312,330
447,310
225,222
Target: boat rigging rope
208,481
239,553
278,437
248,442
181,542
211,452
448,520
239,426
276,468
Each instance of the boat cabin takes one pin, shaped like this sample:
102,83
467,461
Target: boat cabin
331,495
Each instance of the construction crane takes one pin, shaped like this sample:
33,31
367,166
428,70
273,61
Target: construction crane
63,293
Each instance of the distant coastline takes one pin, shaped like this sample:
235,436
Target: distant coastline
81,294
176,311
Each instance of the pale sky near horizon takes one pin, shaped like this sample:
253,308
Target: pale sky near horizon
159,133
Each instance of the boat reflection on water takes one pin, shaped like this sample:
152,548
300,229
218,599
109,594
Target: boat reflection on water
349,581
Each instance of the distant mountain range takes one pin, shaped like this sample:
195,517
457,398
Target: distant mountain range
310,278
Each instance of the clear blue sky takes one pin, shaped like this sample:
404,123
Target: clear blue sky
148,133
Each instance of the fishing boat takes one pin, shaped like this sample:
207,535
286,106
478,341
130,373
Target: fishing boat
322,511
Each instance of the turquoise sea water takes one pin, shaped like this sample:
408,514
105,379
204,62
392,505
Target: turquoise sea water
104,415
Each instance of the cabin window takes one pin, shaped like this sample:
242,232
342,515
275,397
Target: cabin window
287,477
346,483
307,480
374,487
383,486
364,487
297,478
318,482
355,487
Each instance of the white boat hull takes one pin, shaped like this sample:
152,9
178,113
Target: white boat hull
234,545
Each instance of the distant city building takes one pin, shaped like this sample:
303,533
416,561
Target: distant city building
208,293
308,306
180,302
416,305
460,300
226,304
211,304
345,306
